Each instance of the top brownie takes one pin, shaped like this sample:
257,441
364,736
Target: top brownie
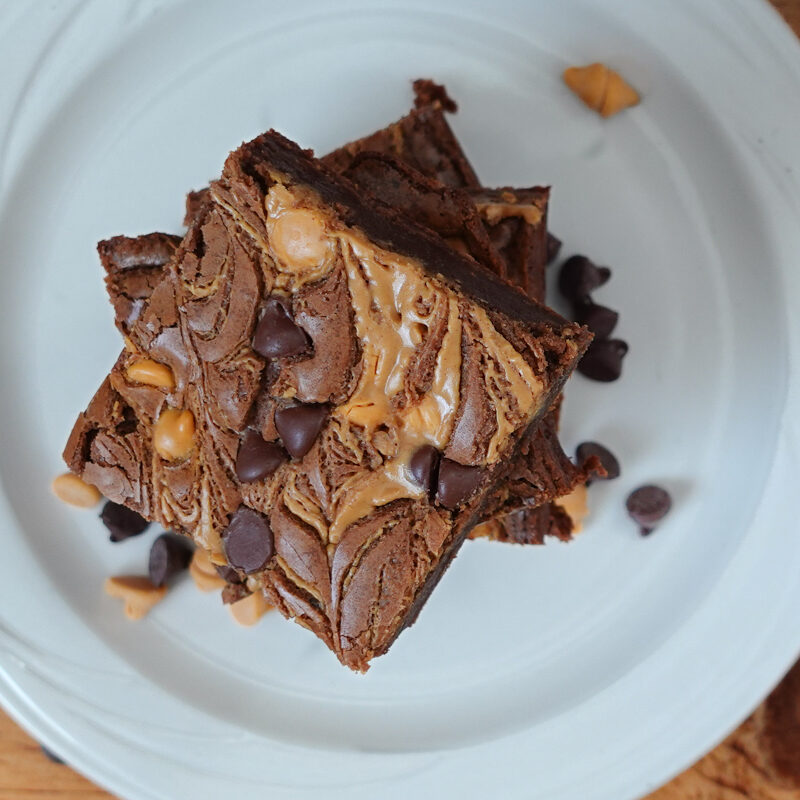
321,393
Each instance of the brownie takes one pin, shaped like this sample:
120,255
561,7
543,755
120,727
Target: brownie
134,267
505,230
526,247
516,222
399,378
423,139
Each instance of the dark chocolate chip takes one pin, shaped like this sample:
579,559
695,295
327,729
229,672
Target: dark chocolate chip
169,555
553,248
647,505
603,360
600,320
579,277
299,426
606,458
257,458
277,334
424,465
122,522
50,755
248,540
228,573
456,482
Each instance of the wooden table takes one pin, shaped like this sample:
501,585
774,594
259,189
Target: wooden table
760,761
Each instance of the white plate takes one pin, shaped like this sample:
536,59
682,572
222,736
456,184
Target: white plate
594,670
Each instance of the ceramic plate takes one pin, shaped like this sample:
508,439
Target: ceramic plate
591,670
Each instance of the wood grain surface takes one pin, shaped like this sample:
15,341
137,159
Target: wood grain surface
759,761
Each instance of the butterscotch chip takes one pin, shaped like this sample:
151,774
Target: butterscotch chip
250,609
173,434
491,529
576,506
299,240
150,372
139,593
203,572
601,88
75,491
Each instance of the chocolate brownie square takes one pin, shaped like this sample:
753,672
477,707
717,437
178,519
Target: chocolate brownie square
392,377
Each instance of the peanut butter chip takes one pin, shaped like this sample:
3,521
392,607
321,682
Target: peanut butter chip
576,506
602,89
150,372
250,609
71,489
173,434
299,240
203,572
139,594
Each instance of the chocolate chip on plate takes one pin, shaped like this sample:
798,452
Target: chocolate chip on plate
647,505
277,334
299,426
579,276
248,541
169,555
423,466
258,458
122,522
603,360
553,247
600,320
606,458
456,482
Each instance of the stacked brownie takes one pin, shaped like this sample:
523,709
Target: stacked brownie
330,380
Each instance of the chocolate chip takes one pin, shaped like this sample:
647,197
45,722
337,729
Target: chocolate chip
299,426
606,458
50,755
579,277
424,465
277,334
248,540
553,248
257,458
122,522
456,482
603,360
647,505
169,555
228,573
600,320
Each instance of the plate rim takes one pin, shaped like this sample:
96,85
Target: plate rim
775,32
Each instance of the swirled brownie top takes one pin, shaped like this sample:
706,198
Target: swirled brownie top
321,394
